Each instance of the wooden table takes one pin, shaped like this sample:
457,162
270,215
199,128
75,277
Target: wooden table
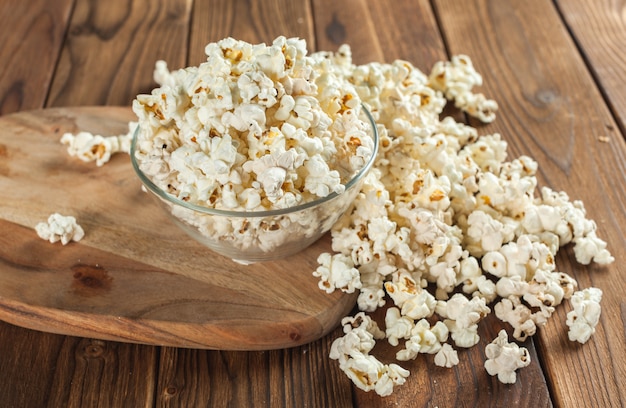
557,69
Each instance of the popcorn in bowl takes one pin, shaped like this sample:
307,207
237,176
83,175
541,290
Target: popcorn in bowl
257,151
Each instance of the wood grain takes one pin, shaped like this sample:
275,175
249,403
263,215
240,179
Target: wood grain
298,377
599,29
95,373
347,22
365,26
31,44
62,371
135,276
551,110
109,54
26,349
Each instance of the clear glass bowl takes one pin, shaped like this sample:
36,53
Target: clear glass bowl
257,236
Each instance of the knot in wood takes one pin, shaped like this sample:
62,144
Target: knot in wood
94,349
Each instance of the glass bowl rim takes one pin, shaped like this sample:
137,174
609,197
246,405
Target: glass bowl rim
254,214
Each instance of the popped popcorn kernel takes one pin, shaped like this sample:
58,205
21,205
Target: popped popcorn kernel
584,317
504,358
446,357
456,79
352,352
59,227
90,147
337,272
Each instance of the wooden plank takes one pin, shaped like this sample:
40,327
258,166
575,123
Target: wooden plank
61,371
295,377
551,110
111,48
20,351
95,373
300,376
366,27
252,21
416,38
347,22
31,35
124,375
599,28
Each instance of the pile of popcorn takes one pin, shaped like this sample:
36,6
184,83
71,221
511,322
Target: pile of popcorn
444,226
448,230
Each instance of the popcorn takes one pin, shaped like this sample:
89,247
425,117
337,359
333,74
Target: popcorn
352,352
484,233
456,76
253,128
504,358
60,228
571,226
337,272
264,127
397,326
461,316
423,339
372,295
413,301
446,357
527,283
584,317
456,79
465,312
473,281
518,315
444,210
89,147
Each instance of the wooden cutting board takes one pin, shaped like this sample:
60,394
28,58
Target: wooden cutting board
134,277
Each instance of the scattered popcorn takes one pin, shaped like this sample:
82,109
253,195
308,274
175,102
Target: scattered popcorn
446,357
461,316
583,319
448,228
423,339
456,80
352,352
413,301
518,315
573,226
60,228
504,358
444,225
397,326
337,272
89,147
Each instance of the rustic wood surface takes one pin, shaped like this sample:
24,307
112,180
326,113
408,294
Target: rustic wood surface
556,69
